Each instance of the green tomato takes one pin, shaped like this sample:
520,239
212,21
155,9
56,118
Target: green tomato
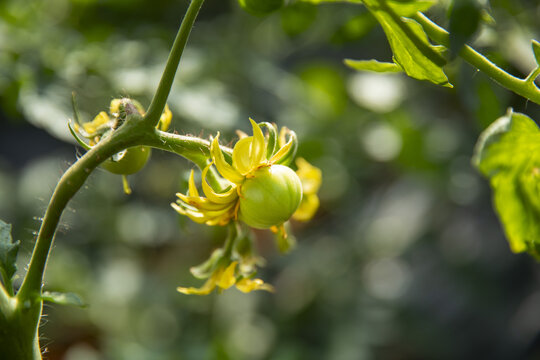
270,197
260,7
133,160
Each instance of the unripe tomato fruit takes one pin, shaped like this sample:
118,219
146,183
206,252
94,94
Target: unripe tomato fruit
270,197
133,160
260,7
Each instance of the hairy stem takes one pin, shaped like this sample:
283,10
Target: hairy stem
522,87
194,149
69,184
162,93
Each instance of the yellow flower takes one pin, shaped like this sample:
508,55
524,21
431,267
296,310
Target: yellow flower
128,161
102,123
223,278
311,178
261,192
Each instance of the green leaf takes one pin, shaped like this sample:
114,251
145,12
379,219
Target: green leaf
409,7
63,298
536,50
8,254
409,43
400,7
372,65
507,154
465,16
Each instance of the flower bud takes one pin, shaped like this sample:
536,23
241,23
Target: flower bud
269,197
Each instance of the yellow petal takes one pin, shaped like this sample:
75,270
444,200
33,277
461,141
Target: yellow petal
258,145
226,170
308,207
114,108
92,126
225,278
165,119
248,285
226,197
241,134
241,155
206,289
201,203
208,217
192,188
310,176
282,152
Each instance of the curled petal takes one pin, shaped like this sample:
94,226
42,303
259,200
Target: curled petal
91,127
208,217
258,146
206,289
283,152
247,285
226,197
226,170
285,156
225,278
241,157
192,188
272,141
200,203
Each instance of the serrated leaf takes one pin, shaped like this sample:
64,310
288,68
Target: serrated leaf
8,253
536,50
63,298
372,65
506,153
465,16
410,45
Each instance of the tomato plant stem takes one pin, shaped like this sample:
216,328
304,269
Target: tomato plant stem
522,87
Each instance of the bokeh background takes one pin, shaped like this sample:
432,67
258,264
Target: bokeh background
405,258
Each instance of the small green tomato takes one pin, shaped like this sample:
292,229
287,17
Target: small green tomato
133,160
270,197
260,7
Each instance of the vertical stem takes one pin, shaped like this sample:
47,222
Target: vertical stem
164,88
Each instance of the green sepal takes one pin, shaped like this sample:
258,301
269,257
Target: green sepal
288,158
60,298
272,145
507,154
373,65
8,255
80,141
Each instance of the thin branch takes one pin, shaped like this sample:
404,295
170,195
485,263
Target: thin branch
521,87
164,88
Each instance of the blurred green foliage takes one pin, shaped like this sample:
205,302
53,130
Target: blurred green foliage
405,259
